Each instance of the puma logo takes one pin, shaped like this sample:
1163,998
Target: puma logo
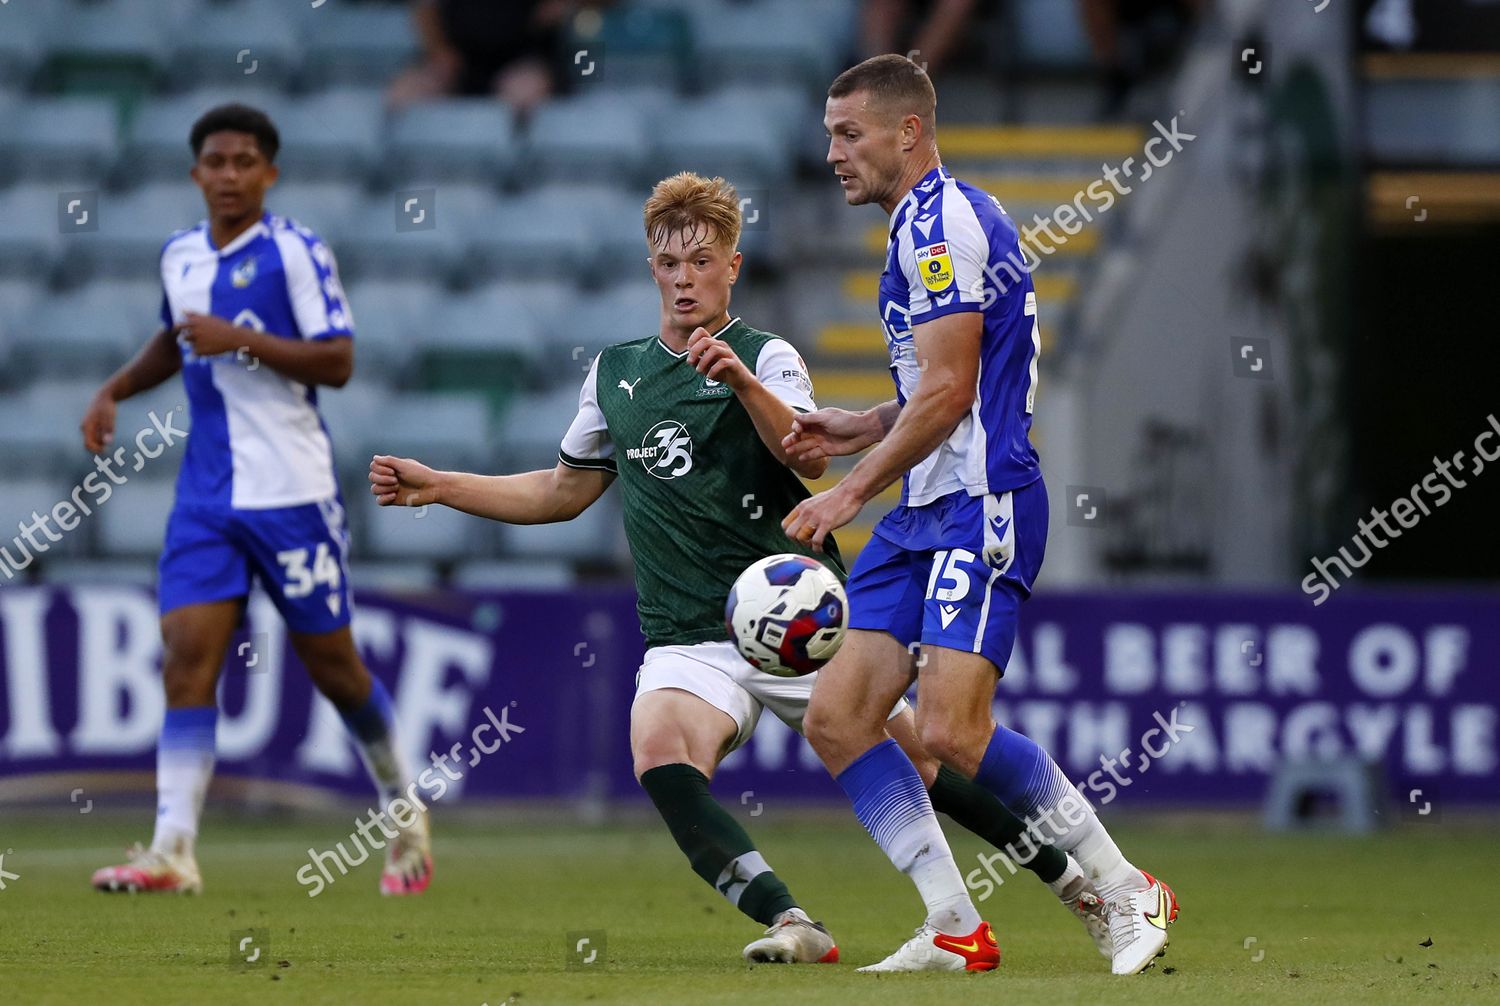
630,388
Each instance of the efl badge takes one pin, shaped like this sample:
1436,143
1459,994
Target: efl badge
935,266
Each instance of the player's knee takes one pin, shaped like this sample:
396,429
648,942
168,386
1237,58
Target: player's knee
188,677
954,743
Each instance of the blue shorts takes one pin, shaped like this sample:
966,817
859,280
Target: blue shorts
299,554
952,573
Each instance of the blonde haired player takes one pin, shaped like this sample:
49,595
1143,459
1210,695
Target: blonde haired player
688,420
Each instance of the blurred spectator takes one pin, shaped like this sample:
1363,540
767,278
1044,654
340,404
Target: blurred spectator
929,31
1133,39
504,48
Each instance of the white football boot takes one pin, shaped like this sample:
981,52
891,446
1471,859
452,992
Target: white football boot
793,938
172,871
930,950
1138,926
408,859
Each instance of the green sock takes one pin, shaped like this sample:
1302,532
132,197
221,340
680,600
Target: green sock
717,847
976,809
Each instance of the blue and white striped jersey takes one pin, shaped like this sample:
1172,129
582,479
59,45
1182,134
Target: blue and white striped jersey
257,439
953,248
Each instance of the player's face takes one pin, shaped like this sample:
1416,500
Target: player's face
694,274
233,174
864,148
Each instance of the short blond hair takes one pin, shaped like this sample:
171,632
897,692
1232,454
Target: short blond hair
690,202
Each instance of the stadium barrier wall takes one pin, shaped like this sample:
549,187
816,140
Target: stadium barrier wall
1217,688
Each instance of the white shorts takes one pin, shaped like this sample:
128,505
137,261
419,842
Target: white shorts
717,674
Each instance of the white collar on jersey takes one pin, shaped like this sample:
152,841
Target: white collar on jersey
924,189
255,230
715,335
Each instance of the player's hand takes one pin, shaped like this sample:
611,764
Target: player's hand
209,335
715,360
98,424
815,517
402,482
828,433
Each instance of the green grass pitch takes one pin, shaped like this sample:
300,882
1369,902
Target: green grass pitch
1264,919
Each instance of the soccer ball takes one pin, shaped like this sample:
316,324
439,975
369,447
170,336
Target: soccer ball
787,614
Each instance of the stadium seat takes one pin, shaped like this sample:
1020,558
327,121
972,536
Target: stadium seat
487,341
88,331
446,430
21,495
133,521
62,140
333,136
157,146
534,425
459,139
133,227
429,243
112,44
640,44
31,238
405,575
595,137
577,331
734,134
237,42
391,317
433,533
357,44
771,40
548,234
594,537
21,45
1050,34
323,207
88,572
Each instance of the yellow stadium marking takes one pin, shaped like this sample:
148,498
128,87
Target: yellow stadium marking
1040,142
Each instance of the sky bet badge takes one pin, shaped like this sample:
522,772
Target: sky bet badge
935,266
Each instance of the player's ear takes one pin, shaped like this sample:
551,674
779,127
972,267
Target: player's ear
272,174
911,132
734,266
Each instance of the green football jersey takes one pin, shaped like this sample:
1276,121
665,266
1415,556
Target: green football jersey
703,497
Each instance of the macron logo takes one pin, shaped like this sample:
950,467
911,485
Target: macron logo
947,613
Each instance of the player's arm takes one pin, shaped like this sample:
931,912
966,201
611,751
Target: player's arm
152,364
772,416
831,433
948,351
539,497
327,361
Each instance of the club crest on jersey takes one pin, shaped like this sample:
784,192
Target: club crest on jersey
935,266
711,388
244,273
666,450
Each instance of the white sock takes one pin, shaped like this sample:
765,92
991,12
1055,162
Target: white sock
184,766
1070,884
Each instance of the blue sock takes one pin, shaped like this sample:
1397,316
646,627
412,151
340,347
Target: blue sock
891,802
373,727
1023,776
184,766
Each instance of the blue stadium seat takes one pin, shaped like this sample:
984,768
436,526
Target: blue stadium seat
157,146
334,136
31,239
89,331
357,44
458,139
448,430
239,43
783,40
133,226
497,318
599,136
62,140
533,426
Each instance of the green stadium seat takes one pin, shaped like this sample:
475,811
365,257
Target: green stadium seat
391,317
487,341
